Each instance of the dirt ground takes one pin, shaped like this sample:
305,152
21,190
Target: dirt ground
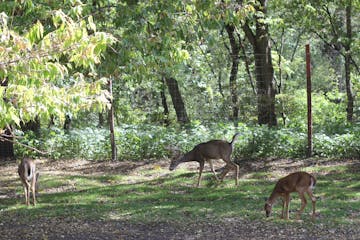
234,228
229,228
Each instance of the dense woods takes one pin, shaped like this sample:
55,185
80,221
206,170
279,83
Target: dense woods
115,115
182,72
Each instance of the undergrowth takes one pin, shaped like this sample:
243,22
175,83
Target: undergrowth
137,142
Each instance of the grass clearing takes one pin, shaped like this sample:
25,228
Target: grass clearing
154,194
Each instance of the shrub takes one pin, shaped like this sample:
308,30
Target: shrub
138,142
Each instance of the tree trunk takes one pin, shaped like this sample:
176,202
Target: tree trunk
164,103
235,49
6,146
101,119
264,70
32,125
265,85
247,65
349,93
67,123
112,125
177,100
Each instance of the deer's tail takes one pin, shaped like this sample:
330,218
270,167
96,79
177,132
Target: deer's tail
312,181
29,171
234,139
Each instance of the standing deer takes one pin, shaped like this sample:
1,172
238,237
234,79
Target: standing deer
301,182
29,177
214,149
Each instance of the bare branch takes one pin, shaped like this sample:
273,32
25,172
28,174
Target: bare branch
2,138
249,33
341,53
247,64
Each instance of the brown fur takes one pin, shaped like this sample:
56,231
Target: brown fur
206,152
29,177
301,182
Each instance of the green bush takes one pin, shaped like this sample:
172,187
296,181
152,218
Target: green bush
138,142
345,145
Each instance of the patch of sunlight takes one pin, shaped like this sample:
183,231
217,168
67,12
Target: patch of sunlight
119,215
259,175
206,210
355,185
15,207
163,207
326,169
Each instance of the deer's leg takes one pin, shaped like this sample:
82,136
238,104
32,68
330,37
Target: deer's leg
27,192
303,204
224,172
24,184
26,187
283,208
37,183
200,172
287,203
230,164
33,189
313,201
236,174
236,168
212,169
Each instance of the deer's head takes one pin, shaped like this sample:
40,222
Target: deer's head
174,163
268,208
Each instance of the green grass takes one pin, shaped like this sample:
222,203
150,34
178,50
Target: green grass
173,197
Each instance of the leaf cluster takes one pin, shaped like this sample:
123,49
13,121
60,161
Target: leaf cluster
40,72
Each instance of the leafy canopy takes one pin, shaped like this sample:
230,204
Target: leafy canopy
42,74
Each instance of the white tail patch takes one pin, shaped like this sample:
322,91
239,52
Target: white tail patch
29,171
312,183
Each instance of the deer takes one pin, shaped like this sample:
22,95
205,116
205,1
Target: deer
208,151
29,178
300,182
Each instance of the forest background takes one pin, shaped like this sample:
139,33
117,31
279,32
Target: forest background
182,72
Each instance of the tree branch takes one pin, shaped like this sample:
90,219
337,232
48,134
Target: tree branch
249,33
341,53
332,24
22,144
247,64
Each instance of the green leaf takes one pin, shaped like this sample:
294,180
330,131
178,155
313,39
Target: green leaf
91,23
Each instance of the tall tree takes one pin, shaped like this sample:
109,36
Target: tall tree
347,44
6,144
331,22
164,103
264,71
152,48
42,69
235,49
177,100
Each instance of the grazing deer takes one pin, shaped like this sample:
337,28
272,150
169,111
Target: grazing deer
29,177
301,182
214,149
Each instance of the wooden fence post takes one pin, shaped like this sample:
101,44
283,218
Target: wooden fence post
308,87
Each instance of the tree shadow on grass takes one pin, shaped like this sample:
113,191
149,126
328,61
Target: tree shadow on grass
158,198
174,197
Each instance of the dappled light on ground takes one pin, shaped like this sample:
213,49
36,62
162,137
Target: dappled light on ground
81,199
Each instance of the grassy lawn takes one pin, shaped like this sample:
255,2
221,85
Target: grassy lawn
157,195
